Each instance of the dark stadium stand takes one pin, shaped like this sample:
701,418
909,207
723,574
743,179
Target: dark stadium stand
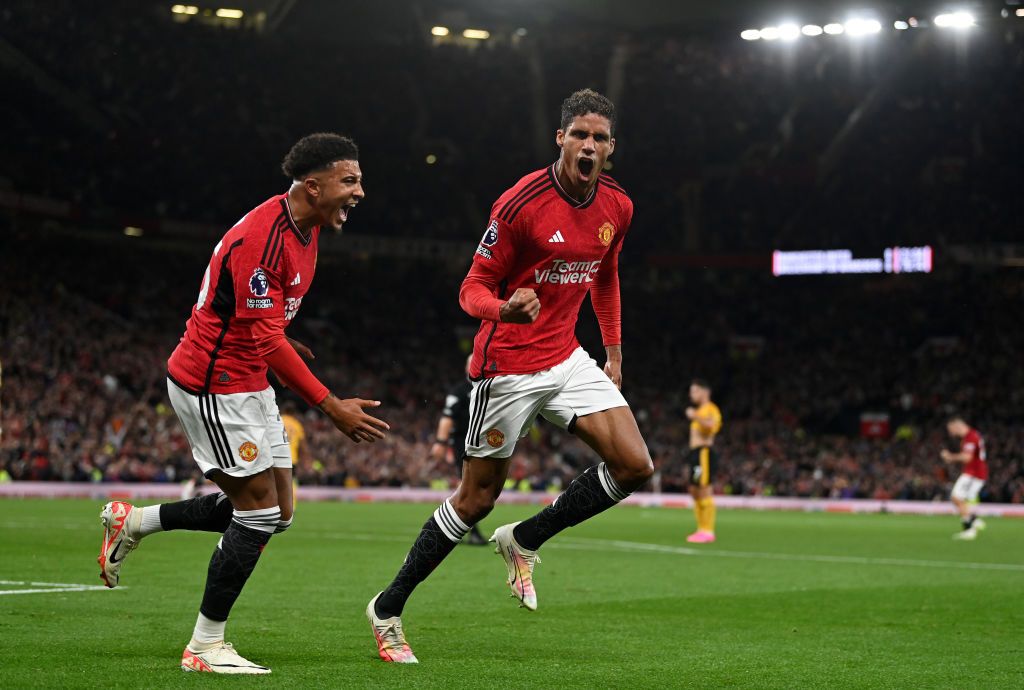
729,150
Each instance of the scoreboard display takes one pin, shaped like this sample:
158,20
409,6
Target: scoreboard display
816,262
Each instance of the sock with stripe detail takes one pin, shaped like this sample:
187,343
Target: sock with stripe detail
591,493
209,513
235,558
436,540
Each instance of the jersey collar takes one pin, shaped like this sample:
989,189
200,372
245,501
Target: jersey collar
568,197
291,222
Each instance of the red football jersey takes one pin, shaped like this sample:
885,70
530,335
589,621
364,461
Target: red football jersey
260,270
540,237
974,444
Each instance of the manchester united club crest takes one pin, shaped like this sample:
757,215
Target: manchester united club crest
605,233
248,451
495,438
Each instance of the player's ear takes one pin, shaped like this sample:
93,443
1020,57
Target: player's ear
611,146
559,137
312,186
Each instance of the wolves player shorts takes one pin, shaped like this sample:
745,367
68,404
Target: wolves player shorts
703,462
502,408
967,488
240,434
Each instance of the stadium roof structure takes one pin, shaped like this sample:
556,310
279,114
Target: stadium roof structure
376,18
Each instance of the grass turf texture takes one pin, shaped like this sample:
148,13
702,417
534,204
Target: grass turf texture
782,600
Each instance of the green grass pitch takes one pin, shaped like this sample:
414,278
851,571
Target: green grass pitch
783,600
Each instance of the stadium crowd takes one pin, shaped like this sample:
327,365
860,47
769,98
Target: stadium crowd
100,120
84,357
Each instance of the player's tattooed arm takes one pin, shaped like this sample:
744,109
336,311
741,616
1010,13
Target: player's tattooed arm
303,350
613,367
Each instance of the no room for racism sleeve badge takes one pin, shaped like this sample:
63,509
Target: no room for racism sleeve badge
259,285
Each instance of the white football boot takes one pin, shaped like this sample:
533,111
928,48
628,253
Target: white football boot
221,659
121,523
966,535
520,563
979,524
391,644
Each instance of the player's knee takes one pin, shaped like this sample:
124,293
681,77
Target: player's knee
634,471
472,508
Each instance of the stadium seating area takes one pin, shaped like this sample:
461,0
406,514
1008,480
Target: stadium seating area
85,347
712,148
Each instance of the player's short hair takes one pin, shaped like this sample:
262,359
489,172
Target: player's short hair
316,152
703,383
587,101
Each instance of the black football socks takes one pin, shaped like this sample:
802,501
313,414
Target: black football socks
235,558
209,513
436,540
591,493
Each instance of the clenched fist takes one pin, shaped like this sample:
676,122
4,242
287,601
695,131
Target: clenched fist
523,307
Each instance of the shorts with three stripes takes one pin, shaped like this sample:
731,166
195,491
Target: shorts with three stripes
240,434
502,408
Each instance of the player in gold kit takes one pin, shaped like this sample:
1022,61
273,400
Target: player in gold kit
705,423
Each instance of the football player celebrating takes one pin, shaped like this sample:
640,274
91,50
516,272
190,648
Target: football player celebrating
552,239
217,382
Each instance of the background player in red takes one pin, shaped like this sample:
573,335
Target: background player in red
975,472
552,239
217,382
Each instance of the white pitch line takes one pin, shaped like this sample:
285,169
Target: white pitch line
50,587
45,584
604,544
86,588
586,544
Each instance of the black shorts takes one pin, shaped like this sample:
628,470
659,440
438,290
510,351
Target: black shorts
703,462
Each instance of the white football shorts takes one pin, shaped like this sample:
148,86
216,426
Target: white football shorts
967,488
240,434
502,408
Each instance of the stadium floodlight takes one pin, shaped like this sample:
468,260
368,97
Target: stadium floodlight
439,31
811,30
900,25
834,29
184,9
750,35
955,20
229,14
863,27
431,159
789,32
770,33
477,34
1019,13
131,230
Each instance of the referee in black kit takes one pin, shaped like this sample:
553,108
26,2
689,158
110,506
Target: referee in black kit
451,433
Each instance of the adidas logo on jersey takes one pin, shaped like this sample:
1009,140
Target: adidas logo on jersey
296,280
557,237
